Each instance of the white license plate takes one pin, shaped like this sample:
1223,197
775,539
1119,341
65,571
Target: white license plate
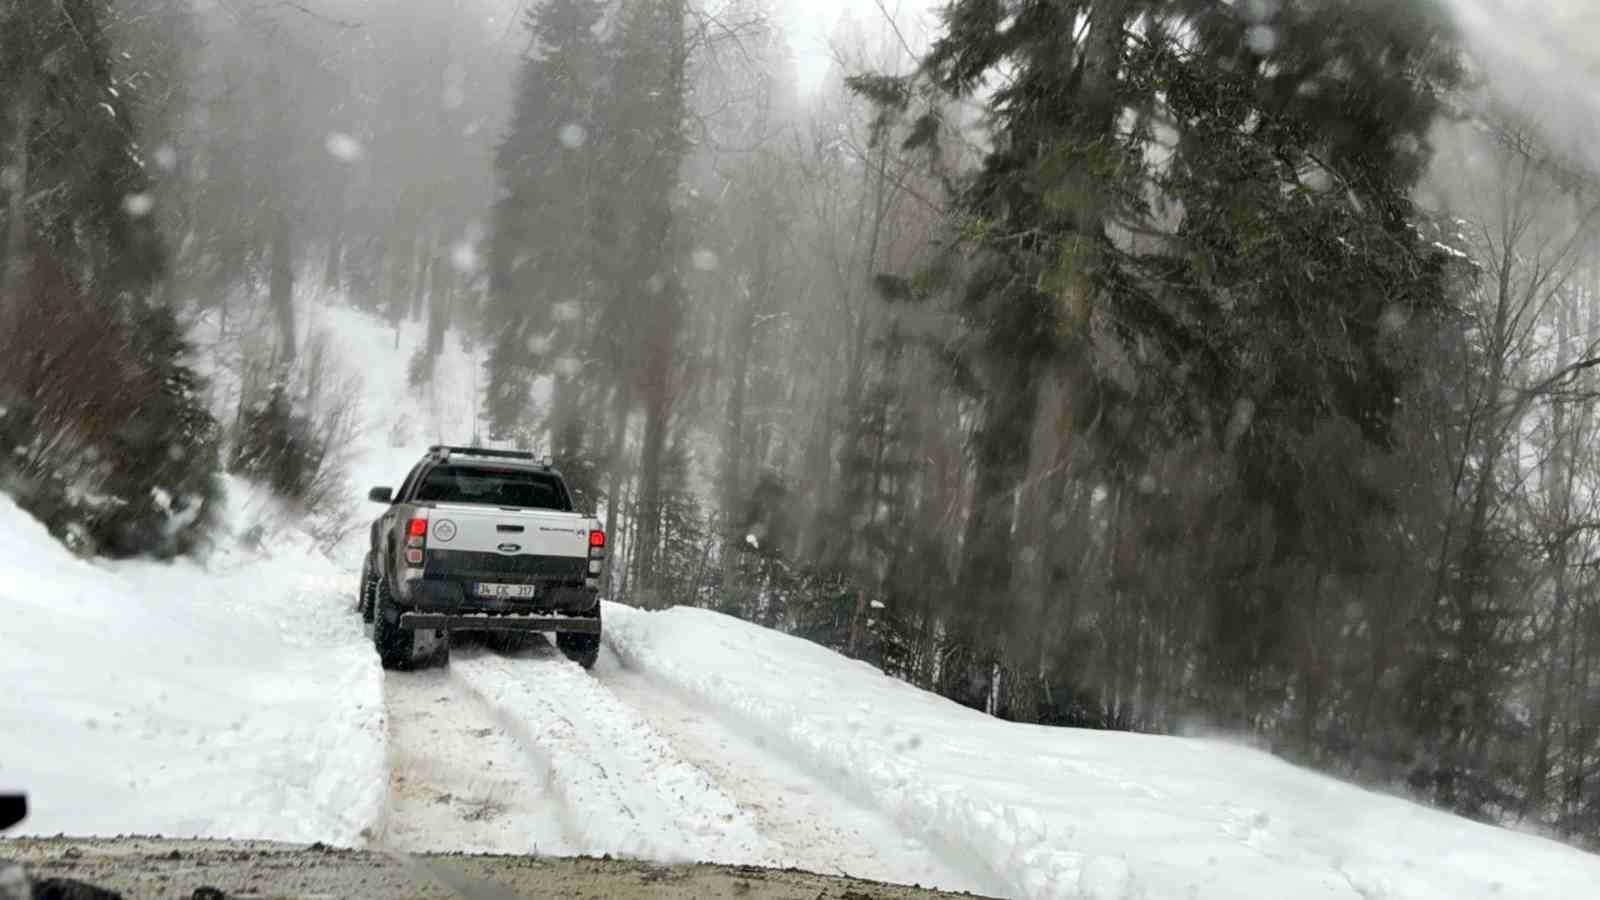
507,591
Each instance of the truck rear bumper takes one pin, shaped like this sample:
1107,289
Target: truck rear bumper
455,597
482,622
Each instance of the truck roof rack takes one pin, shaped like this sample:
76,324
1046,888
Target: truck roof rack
443,453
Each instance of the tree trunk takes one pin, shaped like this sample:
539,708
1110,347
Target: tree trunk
281,287
733,435
1040,503
420,273
873,498
16,206
440,298
733,448
619,430
566,421
660,340
656,413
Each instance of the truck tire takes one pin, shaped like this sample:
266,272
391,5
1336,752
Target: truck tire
397,647
368,588
582,649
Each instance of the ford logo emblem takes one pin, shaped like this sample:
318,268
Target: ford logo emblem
509,548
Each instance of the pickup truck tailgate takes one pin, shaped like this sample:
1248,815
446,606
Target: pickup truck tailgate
508,532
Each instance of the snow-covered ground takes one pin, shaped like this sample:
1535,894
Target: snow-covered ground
816,821
231,696
1068,813
234,698
239,696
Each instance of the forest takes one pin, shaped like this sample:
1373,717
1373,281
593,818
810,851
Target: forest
1175,366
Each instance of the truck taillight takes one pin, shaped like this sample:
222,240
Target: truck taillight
597,538
416,539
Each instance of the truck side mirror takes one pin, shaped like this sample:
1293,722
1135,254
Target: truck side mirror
381,495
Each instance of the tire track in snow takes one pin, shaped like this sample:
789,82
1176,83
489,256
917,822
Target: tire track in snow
623,788
458,779
819,827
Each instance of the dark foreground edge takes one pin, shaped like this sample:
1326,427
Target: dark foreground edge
139,868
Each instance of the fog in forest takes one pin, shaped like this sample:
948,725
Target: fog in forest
1156,366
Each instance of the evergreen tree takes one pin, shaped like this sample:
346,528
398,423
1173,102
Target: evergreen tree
1223,294
68,137
104,435
542,247
644,115
685,545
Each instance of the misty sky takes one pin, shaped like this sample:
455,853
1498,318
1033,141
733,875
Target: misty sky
1542,56
809,23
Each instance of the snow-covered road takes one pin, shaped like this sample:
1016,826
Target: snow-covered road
458,778
616,785
527,753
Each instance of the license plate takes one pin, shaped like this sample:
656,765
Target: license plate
507,591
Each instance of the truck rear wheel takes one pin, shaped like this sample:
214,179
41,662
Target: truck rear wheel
582,649
368,588
402,648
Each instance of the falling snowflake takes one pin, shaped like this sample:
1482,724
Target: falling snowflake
1263,39
1393,320
1261,10
539,344
464,257
345,148
573,135
1244,414
138,205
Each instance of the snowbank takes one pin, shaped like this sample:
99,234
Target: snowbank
1062,813
234,698
237,697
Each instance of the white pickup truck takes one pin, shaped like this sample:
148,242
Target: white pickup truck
483,541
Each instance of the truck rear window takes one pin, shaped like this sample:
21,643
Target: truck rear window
493,487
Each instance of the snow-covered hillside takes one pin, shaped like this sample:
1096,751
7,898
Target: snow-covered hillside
1066,813
239,696
233,698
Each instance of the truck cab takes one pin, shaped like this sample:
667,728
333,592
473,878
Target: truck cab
483,541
